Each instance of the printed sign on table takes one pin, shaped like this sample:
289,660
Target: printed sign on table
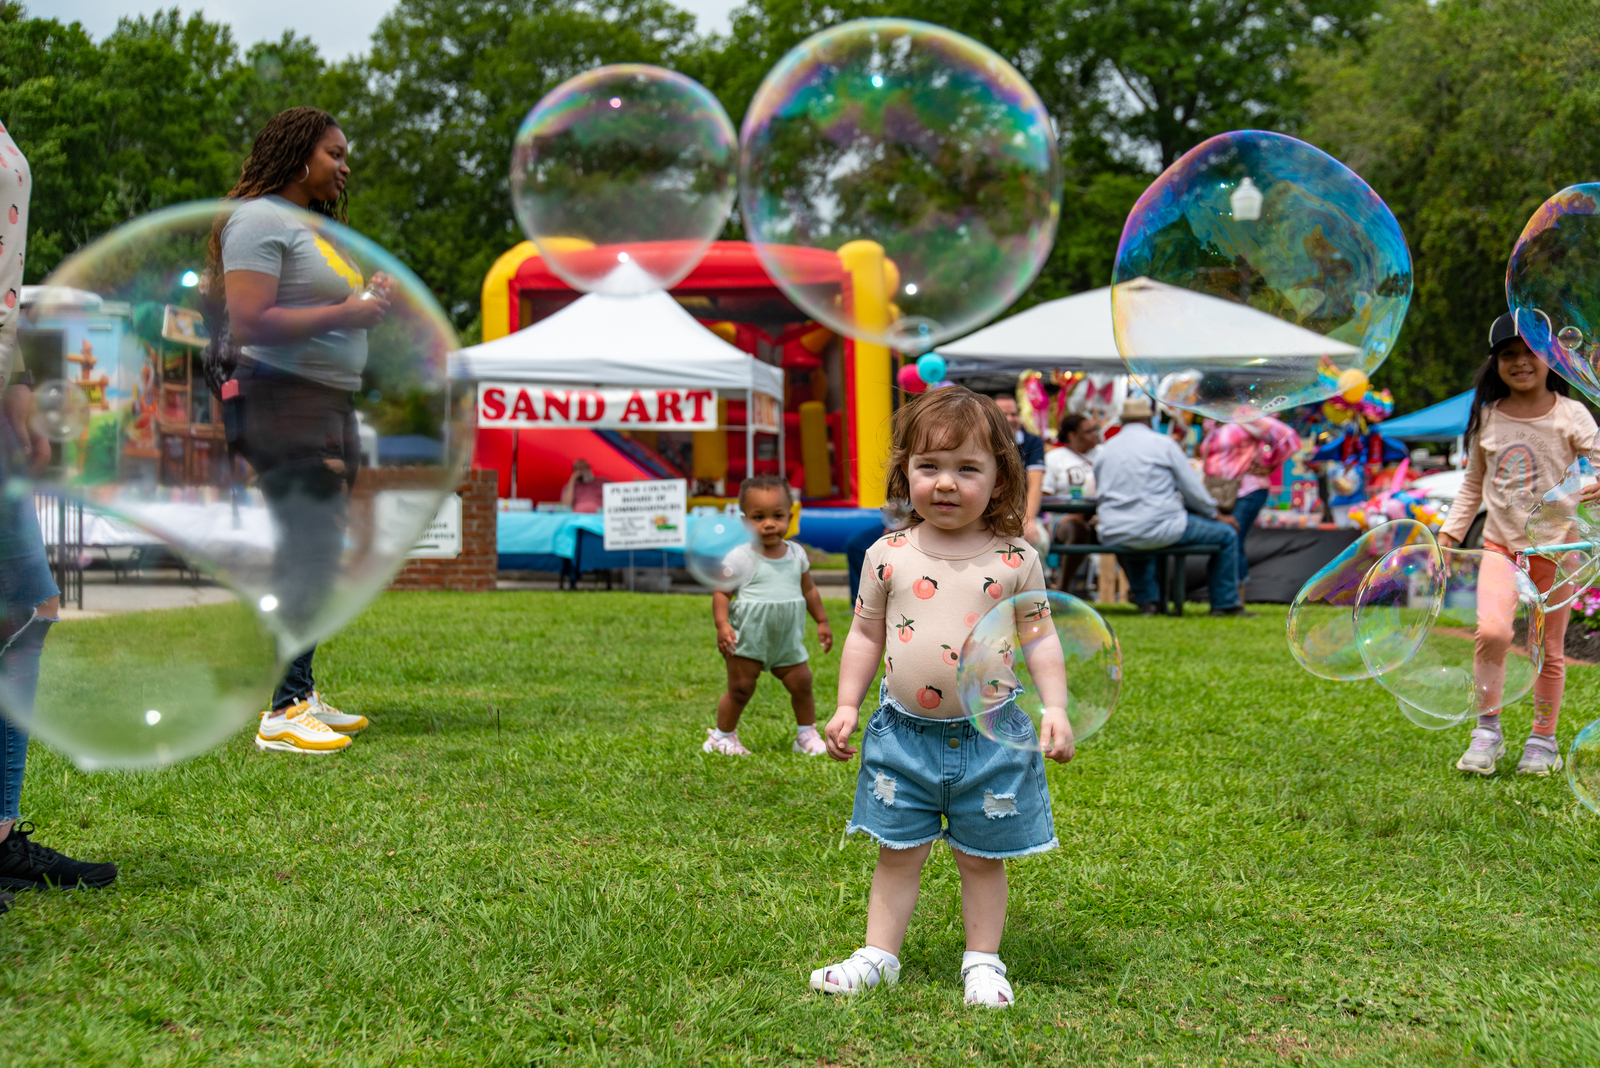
646,515
767,414
524,406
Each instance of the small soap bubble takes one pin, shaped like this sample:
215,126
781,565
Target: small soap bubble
1454,633
1023,635
1583,767
720,551
1322,628
60,410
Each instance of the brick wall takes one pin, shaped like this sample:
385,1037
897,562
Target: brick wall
475,569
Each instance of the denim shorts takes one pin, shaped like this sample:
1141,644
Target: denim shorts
923,779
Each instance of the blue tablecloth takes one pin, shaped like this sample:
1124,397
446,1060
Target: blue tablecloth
534,539
544,533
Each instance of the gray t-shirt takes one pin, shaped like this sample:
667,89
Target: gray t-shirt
269,235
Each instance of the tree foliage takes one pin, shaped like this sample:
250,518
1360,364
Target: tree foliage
1463,114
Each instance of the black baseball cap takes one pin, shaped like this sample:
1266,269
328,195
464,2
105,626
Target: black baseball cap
1503,332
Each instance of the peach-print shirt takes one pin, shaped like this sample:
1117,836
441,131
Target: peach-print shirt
16,183
932,602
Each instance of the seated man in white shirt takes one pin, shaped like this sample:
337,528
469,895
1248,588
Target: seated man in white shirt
1151,498
1069,472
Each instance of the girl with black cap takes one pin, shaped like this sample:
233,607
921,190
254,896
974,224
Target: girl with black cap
1524,431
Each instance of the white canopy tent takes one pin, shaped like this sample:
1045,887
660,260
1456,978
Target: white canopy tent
646,341
1078,333
1073,333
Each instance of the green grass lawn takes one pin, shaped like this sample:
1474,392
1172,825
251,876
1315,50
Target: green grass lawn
529,861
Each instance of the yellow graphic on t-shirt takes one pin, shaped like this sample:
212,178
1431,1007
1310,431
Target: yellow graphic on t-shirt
338,264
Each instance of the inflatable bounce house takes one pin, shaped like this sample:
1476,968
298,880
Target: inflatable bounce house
720,378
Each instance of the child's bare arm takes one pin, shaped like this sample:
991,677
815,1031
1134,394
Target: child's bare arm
808,590
858,665
1048,666
726,637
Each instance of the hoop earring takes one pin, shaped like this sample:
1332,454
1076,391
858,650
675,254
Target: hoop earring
306,175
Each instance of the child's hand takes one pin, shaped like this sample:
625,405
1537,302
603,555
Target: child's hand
836,735
825,636
1055,735
727,638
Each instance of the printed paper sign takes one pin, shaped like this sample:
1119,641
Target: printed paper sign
767,414
645,515
397,513
523,406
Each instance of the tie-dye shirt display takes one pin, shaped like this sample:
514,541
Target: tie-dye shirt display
16,183
1514,461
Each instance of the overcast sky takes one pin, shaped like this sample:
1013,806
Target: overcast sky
340,29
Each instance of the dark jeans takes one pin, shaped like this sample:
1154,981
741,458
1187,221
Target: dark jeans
1224,577
855,551
1245,511
297,684
301,439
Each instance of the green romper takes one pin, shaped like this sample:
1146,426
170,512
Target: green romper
769,613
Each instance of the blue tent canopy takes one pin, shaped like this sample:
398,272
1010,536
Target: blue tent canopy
1439,422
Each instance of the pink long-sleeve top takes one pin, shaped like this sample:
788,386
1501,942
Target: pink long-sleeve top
1235,450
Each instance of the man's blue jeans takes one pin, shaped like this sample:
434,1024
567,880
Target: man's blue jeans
1224,578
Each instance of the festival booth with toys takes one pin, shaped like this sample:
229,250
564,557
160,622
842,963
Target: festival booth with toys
759,388
1070,344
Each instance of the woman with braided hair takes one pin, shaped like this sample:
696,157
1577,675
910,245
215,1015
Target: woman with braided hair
298,311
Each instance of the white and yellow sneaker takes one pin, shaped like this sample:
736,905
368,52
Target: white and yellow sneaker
343,722
298,731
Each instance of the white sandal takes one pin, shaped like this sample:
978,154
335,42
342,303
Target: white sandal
987,985
859,972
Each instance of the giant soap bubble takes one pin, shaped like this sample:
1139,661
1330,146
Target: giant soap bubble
623,176
1553,285
1255,274
1453,633
920,157
1322,620
1018,638
279,482
131,691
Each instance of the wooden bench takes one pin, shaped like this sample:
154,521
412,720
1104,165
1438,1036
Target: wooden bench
1172,580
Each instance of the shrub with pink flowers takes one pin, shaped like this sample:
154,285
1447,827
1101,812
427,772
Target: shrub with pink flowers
1586,610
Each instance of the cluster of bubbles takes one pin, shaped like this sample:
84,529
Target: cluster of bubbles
265,482
1039,635
1452,634
1257,273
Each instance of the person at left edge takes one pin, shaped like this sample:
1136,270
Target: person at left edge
31,601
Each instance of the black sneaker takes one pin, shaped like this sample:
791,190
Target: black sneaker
1150,608
27,865
5,902
1237,612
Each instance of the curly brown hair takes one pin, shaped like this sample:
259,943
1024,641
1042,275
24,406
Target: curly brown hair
944,419
279,152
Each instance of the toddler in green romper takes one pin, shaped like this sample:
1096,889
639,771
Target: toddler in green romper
764,629
770,613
